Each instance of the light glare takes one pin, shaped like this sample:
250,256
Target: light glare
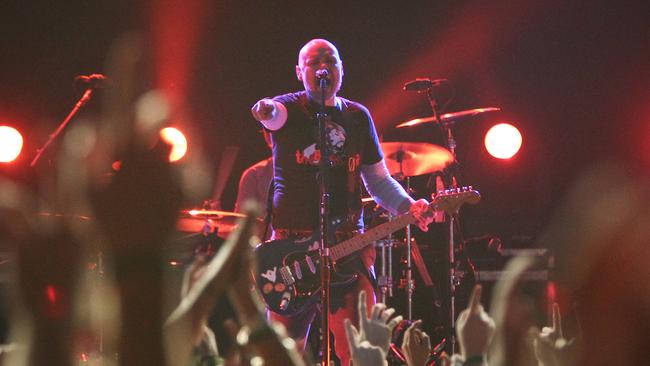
177,140
11,144
503,141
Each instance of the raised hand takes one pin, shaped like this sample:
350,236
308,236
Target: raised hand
363,352
550,343
264,110
416,345
47,258
474,327
377,328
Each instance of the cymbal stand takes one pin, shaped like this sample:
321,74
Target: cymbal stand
410,284
385,280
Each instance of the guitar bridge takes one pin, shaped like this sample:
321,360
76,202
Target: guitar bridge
287,276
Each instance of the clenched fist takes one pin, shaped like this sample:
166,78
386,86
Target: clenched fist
264,110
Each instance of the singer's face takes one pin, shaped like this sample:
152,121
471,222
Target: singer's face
314,56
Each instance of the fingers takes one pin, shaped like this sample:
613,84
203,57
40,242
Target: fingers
462,317
393,323
416,324
418,210
263,109
444,359
475,300
415,335
363,313
557,319
387,314
377,311
352,335
426,340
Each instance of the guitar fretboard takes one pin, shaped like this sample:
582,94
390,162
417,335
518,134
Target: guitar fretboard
350,246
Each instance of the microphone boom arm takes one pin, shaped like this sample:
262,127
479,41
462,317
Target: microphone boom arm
82,101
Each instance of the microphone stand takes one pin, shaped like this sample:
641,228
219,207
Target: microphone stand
82,101
453,218
325,260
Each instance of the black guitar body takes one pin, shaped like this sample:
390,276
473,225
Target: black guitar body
288,275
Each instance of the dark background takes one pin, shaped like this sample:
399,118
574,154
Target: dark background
573,76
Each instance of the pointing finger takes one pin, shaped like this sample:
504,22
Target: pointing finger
475,300
557,319
363,313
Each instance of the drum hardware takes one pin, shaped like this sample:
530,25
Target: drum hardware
449,118
208,221
410,283
385,279
403,160
408,159
445,122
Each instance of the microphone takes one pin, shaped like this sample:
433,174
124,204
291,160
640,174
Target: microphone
425,84
322,74
93,81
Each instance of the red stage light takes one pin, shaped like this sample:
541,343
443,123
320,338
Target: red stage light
503,141
11,144
50,291
177,140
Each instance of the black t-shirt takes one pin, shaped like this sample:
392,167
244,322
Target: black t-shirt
352,141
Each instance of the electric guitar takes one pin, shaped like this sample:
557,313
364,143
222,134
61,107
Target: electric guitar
288,276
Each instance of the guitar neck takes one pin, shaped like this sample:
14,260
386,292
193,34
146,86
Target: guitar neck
358,242
448,201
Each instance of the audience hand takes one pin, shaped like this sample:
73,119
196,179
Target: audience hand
474,327
416,345
377,329
550,343
363,352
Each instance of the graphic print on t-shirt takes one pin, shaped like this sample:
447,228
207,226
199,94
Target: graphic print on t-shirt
335,141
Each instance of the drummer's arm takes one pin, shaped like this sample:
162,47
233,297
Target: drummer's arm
388,193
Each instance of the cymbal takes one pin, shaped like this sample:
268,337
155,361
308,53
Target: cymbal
448,117
193,221
417,158
55,215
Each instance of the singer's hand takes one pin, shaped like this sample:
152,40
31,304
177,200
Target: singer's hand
264,110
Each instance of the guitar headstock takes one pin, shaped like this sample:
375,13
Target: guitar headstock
450,200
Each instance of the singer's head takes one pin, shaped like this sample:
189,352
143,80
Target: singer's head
319,54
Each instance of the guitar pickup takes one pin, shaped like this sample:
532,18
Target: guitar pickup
310,264
297,270
287,276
